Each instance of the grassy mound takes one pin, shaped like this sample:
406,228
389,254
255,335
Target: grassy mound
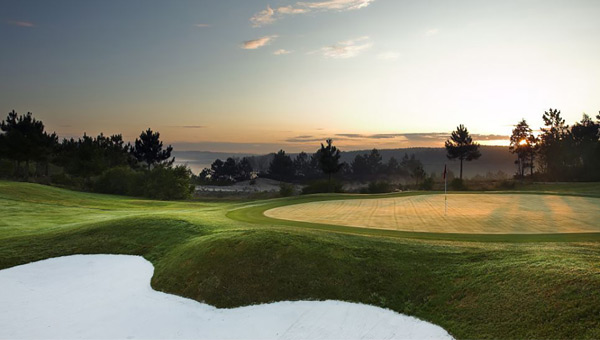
472,289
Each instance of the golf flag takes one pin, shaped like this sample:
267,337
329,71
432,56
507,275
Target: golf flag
445,193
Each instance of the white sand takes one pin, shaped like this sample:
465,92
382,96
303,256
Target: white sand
109,297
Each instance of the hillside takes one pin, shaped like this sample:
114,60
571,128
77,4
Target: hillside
493,159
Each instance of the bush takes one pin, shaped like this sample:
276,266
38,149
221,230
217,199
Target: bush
167,183
120,181
378,188
65,180
7,168
322,186
164,183
427,184
506,185
286,189
458,184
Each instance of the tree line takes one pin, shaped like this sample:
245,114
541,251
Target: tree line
103,163
560,152
324,163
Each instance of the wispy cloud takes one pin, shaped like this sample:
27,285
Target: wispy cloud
270,15
21,23
388,55
263,17
347,49
202,25
191,126
291,10
282,52
257,43
432,32
340,5
419,136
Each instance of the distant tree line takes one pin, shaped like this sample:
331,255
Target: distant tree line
104,163
560,152
324,164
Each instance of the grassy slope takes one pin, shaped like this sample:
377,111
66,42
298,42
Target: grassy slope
472,289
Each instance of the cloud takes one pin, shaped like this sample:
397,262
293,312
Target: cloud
388,56
291,10
346,49
202,25
340,5
263,17
432,32
21,23
303,139
418,137
191,126
257,43
270,15
282,52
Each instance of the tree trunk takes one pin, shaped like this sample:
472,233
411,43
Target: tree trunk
531,165
329,182
461,161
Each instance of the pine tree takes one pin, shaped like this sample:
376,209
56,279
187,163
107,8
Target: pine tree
461,146
149,149
329,159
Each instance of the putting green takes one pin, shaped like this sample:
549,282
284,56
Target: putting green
467,213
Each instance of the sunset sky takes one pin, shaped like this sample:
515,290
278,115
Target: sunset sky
256,76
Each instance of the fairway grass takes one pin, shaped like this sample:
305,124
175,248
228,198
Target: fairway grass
229,254
467,213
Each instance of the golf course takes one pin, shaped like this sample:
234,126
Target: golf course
519,264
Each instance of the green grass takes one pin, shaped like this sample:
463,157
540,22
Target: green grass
228,254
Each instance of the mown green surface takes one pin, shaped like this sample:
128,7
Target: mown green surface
474,287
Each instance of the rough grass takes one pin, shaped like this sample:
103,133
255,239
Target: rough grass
473,289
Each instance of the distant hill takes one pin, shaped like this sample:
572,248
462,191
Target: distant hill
198,160
493,159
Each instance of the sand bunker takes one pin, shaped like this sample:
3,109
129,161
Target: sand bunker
109,297
467,213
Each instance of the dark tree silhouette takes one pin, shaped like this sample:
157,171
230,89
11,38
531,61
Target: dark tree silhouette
244,170
306,166
554,151
282,167
413,167
368,166
329,159
25,140
585,140
149,149
360,167
520,144
461,146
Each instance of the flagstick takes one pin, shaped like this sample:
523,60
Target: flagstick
445,192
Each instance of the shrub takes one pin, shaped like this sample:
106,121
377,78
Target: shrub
506,185
7,168
458,184
322,186
162,182
168,183
120,180
378,188
286,189
62,179
427,184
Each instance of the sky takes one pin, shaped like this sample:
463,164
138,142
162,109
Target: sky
259,75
